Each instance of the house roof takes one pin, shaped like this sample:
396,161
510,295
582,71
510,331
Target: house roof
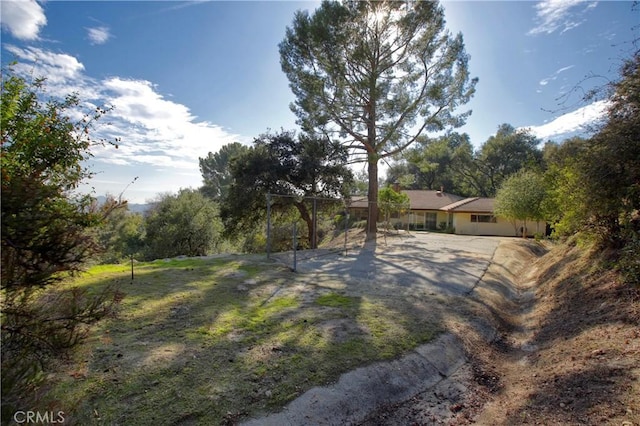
430,200
438,200
359,203
458,204
418,200
472,205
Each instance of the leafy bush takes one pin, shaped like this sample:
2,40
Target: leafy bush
46,232
121,235
187,224
359,224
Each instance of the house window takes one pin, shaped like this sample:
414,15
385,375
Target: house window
483,218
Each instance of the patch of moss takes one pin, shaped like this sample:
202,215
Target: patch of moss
336,300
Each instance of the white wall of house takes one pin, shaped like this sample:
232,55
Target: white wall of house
461,221
501,227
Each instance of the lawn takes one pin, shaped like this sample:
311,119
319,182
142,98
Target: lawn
214,341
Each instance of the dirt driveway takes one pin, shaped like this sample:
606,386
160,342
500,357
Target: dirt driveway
415,264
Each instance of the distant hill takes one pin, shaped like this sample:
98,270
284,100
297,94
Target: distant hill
139,208
132,207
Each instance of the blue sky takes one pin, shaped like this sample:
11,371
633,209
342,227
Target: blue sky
186,78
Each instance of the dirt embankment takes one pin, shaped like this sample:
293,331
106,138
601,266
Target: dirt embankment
568,351
551,339
573,354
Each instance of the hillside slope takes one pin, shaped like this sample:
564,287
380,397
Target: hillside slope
570,353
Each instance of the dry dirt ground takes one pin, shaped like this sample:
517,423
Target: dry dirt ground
566,351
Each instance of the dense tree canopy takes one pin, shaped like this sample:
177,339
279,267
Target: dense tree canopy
187,223
377,75
216,171
612,163
563,207
508,151
290,167
43,222
42,153
597,181
435,164
451,162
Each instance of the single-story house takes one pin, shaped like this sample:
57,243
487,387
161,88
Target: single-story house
432,210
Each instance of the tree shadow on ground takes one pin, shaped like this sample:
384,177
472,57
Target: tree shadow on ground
410,269
208,344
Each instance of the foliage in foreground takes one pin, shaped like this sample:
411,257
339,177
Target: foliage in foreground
595,183
44,231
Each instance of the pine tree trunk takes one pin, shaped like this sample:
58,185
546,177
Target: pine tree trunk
372,196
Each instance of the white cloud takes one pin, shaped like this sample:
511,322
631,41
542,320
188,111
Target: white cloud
23,19
116,161
98,35
57,67
571,123
64,73
554,76
138,102
184,4
564,69
553,15
154,132
159,131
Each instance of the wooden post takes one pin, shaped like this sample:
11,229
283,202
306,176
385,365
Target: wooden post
295,259
346,229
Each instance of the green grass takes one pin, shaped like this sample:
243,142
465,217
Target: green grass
208,341
335,300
